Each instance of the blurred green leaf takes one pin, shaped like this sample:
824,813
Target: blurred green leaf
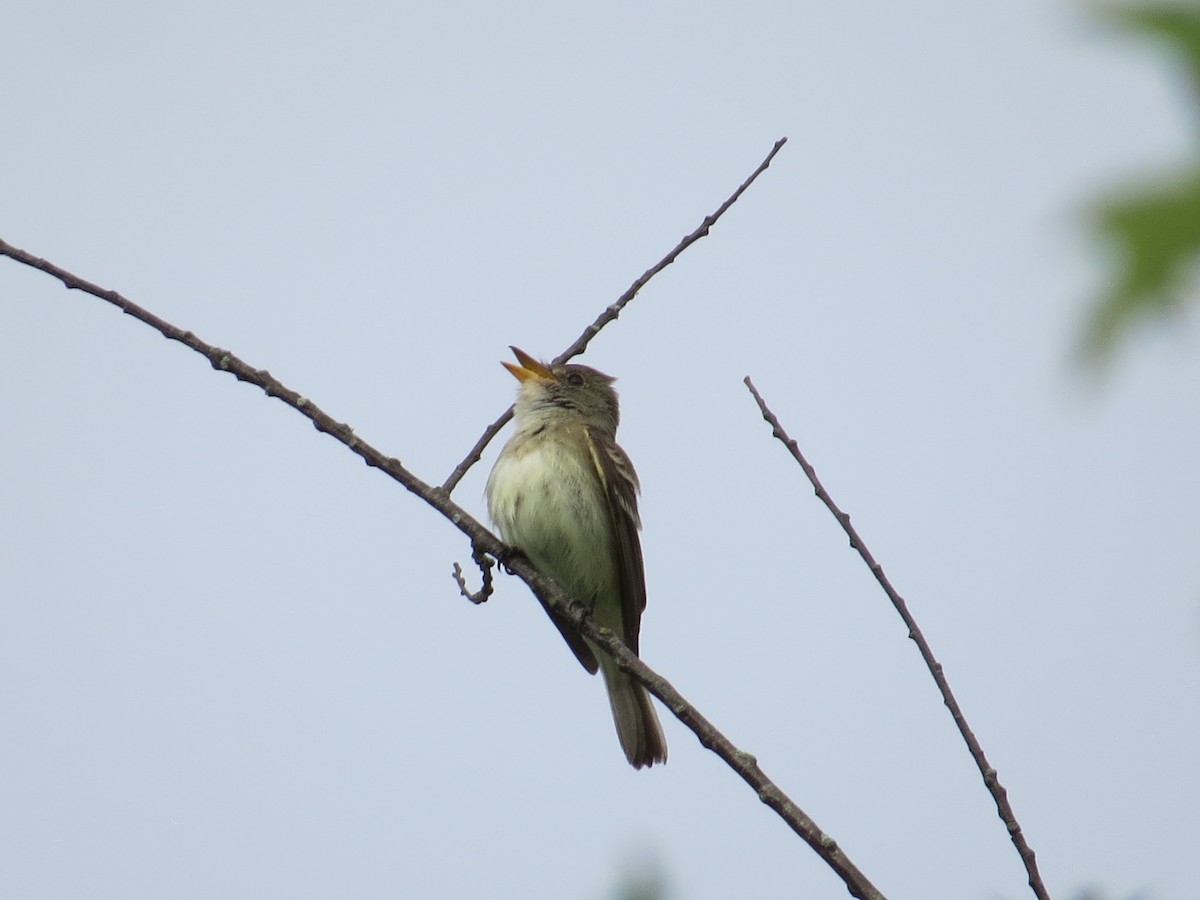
1176,24
1155,234
1153,231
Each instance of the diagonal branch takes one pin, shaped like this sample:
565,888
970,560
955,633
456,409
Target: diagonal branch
483,541
610,313
990,778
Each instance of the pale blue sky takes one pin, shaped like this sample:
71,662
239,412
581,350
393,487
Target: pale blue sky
232,660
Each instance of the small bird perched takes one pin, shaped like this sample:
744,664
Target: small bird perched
564,494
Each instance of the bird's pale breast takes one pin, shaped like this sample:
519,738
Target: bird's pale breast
546,498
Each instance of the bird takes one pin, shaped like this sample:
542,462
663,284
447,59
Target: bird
564,494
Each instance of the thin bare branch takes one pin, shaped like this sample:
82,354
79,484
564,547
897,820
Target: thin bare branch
990,778
610,313
485,564
483,541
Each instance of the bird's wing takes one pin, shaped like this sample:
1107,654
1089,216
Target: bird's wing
620,483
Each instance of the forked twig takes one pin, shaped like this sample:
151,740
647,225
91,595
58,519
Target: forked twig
610,313
990,778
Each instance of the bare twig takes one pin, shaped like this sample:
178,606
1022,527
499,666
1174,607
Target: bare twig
610,313
485,564
990,778
483,541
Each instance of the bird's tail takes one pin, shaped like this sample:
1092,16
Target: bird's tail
638,728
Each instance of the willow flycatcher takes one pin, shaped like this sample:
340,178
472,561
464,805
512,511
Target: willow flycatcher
564,494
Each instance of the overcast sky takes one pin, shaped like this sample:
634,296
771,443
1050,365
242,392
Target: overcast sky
232,660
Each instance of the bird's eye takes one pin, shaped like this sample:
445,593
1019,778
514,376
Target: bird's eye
575,378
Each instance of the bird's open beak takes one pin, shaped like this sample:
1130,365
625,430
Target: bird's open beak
529,367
